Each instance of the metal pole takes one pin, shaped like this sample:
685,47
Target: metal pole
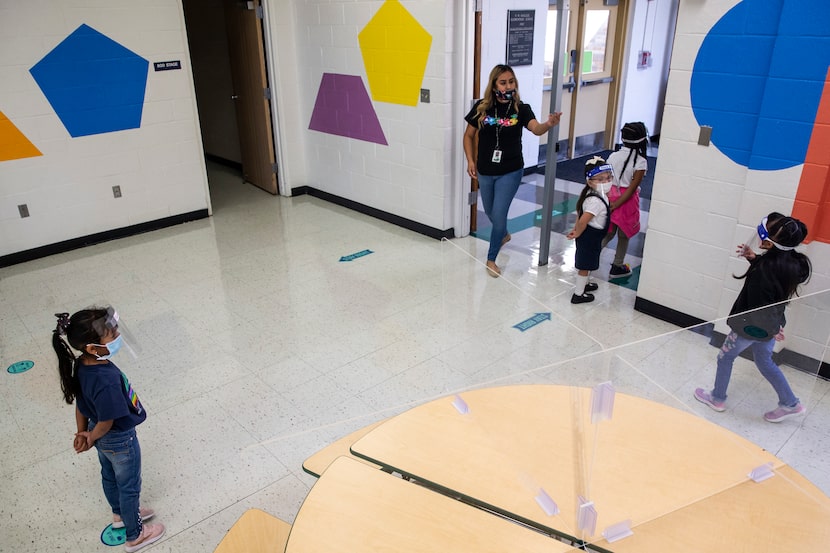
562,11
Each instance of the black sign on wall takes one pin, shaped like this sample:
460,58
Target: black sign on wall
167,65
520,37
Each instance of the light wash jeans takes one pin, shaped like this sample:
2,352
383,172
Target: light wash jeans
762,352
120,457
497,192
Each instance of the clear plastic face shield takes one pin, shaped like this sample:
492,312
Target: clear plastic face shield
115,334
760,241
602,178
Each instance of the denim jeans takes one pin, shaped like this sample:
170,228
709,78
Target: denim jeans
497,192
120,457
762,352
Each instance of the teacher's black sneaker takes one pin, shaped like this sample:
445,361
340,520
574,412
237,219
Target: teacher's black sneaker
781,413
582,298
618,271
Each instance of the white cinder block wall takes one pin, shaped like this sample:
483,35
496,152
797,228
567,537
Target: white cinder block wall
68,190
411,177
704,204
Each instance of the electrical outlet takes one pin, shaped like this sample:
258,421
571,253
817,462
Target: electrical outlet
425,95
116,191
24,210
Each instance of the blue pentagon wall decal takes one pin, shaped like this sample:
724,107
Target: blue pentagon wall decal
94,84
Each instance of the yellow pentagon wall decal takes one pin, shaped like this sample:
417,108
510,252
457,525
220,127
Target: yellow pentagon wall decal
13,144
395,48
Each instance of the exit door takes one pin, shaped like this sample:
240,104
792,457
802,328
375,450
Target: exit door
591,68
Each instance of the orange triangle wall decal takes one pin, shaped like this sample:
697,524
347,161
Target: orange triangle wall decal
13,144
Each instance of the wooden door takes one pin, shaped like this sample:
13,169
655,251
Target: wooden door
251,93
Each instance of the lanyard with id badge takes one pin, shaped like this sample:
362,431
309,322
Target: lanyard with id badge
496,151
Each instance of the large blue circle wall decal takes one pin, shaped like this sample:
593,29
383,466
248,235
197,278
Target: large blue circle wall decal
758,78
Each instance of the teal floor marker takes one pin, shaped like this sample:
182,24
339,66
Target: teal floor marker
20,367
113,536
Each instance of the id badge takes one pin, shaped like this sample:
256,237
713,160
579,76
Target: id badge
496,156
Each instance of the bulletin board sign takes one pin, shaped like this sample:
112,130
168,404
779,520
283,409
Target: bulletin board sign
520,37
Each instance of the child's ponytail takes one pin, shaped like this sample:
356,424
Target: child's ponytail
79,330
66,359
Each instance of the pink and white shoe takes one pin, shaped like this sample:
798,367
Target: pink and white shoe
150,533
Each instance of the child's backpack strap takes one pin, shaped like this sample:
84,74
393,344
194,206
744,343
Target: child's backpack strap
607,209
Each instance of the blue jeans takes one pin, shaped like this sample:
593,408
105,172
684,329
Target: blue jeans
497,192
762,352
120,457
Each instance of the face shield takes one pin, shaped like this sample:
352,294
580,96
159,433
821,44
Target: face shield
112,325
760,236
602,178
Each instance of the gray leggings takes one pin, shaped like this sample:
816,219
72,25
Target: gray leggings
622,245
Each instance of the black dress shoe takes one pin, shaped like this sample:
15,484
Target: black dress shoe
591,286
582,298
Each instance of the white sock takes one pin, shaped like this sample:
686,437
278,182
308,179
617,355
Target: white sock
581,281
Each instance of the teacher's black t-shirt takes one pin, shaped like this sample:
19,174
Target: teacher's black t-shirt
505,123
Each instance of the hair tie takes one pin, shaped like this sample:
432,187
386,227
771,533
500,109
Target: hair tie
63,323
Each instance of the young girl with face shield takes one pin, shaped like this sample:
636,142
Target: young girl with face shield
757,316
591,225
107,410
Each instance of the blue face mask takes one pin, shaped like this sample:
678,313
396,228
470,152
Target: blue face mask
506,95
112,347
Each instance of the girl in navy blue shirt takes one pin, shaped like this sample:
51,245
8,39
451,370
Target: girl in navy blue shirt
107,410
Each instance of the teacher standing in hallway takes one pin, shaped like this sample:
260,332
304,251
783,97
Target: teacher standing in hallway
495,125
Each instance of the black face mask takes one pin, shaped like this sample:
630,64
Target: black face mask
507,95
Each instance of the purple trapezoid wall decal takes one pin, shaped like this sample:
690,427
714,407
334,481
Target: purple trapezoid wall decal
343,108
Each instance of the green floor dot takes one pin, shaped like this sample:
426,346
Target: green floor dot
20,367
113,536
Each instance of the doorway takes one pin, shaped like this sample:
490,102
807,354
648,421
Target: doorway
227,53
592,67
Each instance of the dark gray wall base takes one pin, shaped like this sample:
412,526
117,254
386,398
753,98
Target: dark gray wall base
783,357
408,224
223,161
83,241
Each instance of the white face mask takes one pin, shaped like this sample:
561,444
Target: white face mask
604,187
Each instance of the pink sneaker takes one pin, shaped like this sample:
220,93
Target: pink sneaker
146,514
781,413
150,533
705,397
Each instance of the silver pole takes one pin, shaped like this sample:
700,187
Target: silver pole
562,12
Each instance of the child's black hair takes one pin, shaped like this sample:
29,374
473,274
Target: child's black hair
79,331
786,269
634,136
